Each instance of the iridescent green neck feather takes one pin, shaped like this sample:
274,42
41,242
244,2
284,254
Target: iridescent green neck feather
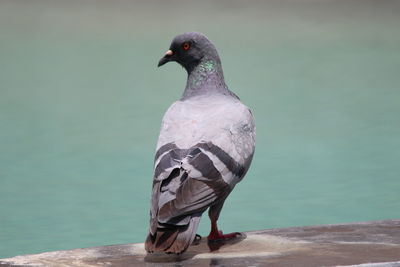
206,78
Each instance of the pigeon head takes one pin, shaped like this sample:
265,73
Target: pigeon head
189,49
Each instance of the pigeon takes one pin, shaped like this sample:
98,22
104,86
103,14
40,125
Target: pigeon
205,147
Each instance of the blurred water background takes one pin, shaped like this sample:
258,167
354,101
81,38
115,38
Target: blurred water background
81,102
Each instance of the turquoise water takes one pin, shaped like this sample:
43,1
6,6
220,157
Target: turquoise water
81,102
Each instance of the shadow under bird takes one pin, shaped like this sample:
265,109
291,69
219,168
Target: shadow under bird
205,148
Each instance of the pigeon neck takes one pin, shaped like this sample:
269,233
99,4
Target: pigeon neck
205,78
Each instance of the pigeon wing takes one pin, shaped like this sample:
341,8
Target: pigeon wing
193,184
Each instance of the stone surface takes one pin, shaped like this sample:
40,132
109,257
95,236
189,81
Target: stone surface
369,244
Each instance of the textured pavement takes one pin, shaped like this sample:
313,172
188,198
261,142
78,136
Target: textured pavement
367,244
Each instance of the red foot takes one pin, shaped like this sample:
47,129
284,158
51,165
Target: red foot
217,235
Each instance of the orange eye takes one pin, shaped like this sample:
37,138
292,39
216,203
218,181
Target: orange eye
186,46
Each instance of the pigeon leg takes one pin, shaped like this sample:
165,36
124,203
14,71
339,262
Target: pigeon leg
215,234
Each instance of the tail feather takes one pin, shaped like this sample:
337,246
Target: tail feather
164,238
173,239
184,239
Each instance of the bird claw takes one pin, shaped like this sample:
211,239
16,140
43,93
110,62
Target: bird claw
220,236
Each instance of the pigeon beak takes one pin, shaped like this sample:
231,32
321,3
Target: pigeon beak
166,58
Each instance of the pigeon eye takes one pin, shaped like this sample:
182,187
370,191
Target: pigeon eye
186,46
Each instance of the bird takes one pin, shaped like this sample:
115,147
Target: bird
205,147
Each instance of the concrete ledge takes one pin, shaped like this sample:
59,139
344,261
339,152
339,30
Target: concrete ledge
367,244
